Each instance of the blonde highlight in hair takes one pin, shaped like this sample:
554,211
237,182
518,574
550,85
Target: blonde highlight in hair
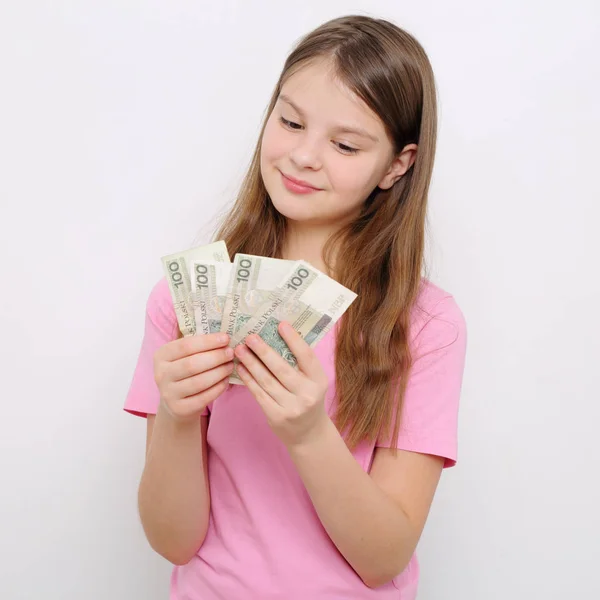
381,253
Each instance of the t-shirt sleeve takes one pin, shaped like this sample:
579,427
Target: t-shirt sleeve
160,328
429,420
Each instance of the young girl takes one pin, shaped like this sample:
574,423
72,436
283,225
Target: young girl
314,484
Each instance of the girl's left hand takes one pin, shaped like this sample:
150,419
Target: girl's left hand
292,400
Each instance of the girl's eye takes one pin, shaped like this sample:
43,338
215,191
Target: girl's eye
347,149
288,123
343,147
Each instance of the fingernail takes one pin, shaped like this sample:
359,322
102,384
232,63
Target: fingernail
229,353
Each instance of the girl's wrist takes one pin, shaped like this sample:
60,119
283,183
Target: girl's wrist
321,431
179,422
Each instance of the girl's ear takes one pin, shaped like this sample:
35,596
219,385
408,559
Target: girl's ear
402,163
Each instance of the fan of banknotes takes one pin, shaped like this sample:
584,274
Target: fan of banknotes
252,294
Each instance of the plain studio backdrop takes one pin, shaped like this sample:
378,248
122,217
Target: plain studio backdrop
125,127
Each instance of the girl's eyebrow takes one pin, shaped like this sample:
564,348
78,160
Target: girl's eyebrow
340,128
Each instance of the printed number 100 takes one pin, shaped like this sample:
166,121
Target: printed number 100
176,275
297,280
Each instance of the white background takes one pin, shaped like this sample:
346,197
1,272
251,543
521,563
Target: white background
125,126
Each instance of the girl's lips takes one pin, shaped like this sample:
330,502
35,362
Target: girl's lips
298,188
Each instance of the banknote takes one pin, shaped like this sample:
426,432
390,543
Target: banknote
251,282
177,270
308,299
209,288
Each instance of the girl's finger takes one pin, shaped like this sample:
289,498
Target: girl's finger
285,374
262,375
308,362
268,405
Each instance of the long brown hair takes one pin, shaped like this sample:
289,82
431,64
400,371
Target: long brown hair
381,253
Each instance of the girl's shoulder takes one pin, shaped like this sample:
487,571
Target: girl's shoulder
437,309
159,307
430,295
160,293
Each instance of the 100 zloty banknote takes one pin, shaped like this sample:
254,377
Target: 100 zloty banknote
177,268
308,299
251,282
209,290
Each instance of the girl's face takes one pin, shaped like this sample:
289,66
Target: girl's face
310,136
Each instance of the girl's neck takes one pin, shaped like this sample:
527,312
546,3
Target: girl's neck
306,246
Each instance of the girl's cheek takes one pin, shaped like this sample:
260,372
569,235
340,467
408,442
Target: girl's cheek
273,146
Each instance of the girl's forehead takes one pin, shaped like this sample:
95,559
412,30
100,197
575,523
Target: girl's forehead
314,91
314,79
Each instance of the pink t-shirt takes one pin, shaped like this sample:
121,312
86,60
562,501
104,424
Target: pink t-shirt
265,540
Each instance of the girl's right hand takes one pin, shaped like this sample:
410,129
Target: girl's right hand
191,372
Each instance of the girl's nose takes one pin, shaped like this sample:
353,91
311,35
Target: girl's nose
306,154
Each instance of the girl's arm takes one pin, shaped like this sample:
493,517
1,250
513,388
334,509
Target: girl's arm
374,520
174,493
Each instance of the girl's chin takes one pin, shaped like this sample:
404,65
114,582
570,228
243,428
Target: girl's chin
293,208
306,216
